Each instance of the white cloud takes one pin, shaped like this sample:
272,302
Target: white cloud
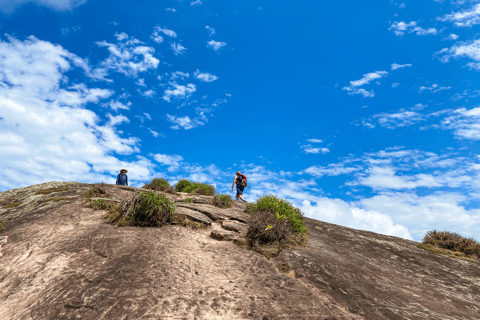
166,31
314,140
154,133
469,49
396,84
451,36
205,76
141,82
177,48
126,57
216,45
115,105
168,160
156,37
148,116
330,170
309,149
434,88
397,119
465,123
399,28
149,93
396,66
385,178
466,18
211,31
196,2
179,74
367,78
179,91
184,122
171,10
8,6
36,97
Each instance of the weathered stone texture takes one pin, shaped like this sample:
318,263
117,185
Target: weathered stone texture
63,261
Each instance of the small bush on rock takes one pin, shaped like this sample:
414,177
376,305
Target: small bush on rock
160,184
2,225
147,209
282,208
265,227
453,242
189,200
222,201
182,185
96,191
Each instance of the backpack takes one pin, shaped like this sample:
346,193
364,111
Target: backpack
242,180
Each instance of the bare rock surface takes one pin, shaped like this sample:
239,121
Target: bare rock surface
210,211
223,235
63,261
236,226
194,215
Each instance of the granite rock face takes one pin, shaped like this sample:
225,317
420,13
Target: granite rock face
63,261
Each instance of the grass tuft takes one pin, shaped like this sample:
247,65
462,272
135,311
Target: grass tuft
2,225
146,209
189,200
160,184
188,223
13,204
56,199
50,190
185,185
451,244
222,201
96,191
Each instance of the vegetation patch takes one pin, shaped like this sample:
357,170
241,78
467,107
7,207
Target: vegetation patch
2,225
50,190
96,191
146,209
189,200
160,184
14,204
188,223
185,185
222,201
56,199
451,244
274,225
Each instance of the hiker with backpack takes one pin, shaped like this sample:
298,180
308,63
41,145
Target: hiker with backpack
241,181
122,178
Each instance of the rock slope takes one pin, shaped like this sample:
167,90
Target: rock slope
61,260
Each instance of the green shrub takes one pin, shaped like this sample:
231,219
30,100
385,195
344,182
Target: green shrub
265,227
453,242
182,185
222,201
194,187
280,207
159,184
189,200
148,209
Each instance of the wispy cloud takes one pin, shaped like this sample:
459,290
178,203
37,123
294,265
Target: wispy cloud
216,45
8,6
171,9
466,18
396,66
196,2
314,140
166,31
179,91
185,122
469,49
367,78
211,31
177,48
205,76
400,28
310,149
434,88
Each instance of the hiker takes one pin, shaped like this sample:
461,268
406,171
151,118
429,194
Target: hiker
241,181
122,178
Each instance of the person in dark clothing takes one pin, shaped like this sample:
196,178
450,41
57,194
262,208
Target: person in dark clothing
122,178
241,182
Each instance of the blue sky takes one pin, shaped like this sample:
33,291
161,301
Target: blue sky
362,114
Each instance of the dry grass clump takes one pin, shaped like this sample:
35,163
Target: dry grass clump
13,204
451,244
96,191
160,184
50,190
274,225
2,225
146,209
188,223
56,199
222,201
